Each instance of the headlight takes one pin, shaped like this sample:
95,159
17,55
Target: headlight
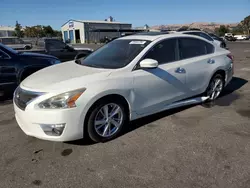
64,100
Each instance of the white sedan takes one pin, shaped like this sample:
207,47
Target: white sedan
126,79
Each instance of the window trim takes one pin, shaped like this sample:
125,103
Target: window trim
199,35
194,56
5,54
137,66
207,36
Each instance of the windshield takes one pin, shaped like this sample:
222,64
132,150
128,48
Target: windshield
116,54
9,49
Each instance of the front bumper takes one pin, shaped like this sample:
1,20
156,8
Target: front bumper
31,119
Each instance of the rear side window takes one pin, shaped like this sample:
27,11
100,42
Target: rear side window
206,36
163,52
209,48
191,47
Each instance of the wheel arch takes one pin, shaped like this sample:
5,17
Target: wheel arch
221,72
105,97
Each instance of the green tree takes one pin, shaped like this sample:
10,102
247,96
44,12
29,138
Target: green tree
222,30
57,34
48,31
18,30
246,24
238,30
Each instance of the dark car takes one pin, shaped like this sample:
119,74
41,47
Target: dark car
59,49
16,66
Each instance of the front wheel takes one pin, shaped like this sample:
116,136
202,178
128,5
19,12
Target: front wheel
106,120
215,87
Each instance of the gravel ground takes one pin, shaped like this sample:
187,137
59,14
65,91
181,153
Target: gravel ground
193,147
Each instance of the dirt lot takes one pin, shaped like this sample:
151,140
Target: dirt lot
199,146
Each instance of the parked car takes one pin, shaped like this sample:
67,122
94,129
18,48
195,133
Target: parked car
229,34
217,38
240,37
15,43
126,79
206,36
16,66
60,50
230,38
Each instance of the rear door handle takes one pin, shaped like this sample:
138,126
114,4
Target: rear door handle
211,61
180,70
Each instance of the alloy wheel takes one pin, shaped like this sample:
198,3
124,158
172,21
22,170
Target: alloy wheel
215,88
108,120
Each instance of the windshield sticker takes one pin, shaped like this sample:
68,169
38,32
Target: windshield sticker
137,42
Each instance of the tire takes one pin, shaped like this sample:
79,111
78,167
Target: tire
210,91
95,122
27,47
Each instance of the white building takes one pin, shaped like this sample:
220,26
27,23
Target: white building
86,31
6,31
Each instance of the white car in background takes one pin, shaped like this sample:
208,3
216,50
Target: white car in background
216,41
126,79
240,37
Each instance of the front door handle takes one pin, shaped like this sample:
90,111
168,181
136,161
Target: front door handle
180,70
211,61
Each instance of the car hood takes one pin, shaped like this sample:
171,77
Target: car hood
65,75
35,55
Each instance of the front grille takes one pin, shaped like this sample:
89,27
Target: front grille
23,97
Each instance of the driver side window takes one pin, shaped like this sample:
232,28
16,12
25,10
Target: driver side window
55,44
163,52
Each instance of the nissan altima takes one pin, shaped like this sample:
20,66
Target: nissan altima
129,78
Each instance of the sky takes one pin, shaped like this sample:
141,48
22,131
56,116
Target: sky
136,12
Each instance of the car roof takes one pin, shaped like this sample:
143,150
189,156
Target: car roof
154,37
193,31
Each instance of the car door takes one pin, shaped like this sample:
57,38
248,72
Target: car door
7,70
197,56
60,50
155,88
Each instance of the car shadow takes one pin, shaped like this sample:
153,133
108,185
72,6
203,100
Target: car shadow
229,94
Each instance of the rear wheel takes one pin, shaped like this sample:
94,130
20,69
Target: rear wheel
106,120
27,47
215,87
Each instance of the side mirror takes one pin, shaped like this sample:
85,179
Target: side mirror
149,64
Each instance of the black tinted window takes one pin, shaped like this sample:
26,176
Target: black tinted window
163,52
209,48
206,36
55,44
190,47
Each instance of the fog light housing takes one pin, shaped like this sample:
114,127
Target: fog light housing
53,129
